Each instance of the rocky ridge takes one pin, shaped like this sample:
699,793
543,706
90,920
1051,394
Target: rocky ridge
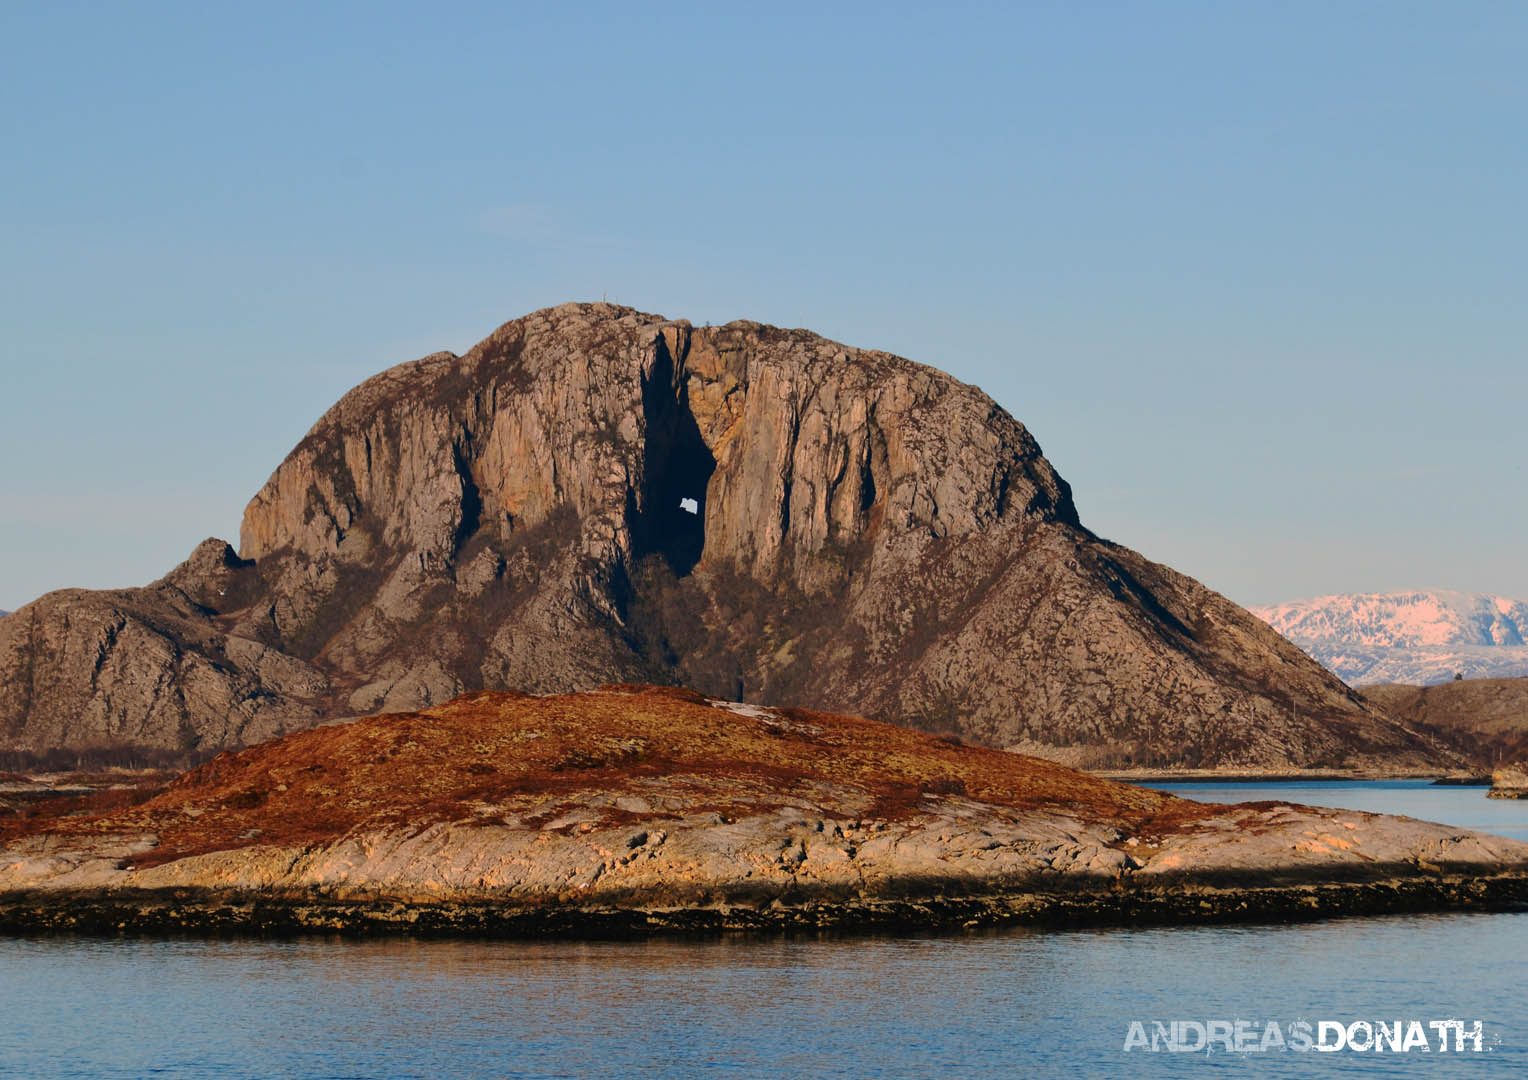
641,809
868,535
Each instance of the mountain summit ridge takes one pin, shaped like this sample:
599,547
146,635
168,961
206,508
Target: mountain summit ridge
865,534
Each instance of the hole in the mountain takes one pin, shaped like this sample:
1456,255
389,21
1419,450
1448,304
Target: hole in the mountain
672,518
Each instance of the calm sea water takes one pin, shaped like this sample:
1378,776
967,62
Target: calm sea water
1000,1004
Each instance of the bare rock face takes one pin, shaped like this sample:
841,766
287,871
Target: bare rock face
594,495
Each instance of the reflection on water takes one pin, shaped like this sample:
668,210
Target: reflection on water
1009,1004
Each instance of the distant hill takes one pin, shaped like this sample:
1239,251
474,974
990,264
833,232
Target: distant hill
1486,718
1421,637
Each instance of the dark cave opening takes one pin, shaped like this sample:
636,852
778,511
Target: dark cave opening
671,520
472,502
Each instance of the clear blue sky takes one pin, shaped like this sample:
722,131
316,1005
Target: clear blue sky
1254,274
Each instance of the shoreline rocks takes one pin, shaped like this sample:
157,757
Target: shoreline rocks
197,913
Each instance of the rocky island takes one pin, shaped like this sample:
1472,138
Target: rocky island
636,810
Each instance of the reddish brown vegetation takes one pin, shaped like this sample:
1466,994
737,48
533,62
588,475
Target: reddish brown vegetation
489,751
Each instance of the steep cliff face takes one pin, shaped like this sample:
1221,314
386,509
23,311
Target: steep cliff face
593,495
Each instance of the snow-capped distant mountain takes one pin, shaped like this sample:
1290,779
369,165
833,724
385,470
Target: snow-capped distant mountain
1420,637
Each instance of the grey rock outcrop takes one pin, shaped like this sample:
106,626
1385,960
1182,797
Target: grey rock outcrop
953,842
869,535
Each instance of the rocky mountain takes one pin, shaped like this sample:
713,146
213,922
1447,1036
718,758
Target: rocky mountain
597,495
1420,637
1487,719
633,810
